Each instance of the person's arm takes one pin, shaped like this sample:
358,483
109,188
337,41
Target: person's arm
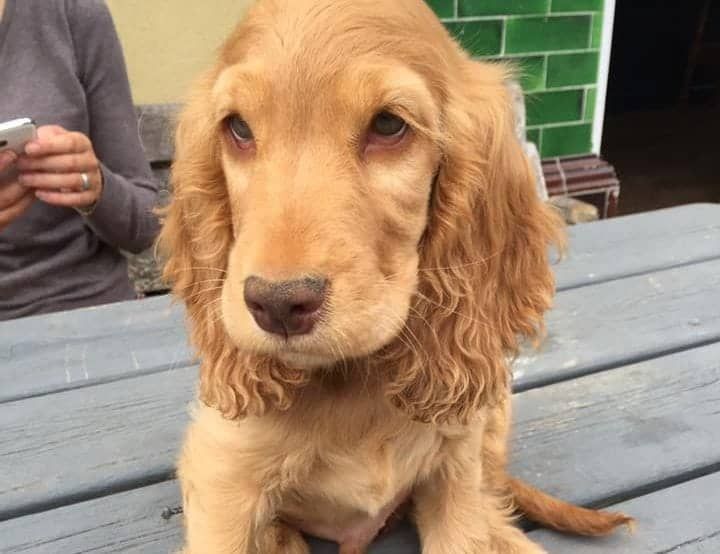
123,214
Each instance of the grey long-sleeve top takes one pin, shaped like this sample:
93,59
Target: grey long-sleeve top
61,63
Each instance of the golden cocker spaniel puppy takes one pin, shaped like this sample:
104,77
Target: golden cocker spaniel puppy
357,238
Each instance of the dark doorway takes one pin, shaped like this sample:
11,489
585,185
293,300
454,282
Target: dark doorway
662,124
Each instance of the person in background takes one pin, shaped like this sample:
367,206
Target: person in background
83,191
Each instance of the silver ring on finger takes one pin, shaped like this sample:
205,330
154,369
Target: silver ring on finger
85,182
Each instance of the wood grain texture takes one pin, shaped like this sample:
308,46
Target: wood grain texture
684,519
597,438
640,243
624,321
588,440
74,349
129,522
79,443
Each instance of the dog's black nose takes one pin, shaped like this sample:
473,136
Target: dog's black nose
285,307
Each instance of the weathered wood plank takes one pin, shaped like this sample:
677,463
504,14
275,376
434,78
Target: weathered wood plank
624,321
156,123
640,243
79,443
129,522
683,519
132,522
75,349
595,438
589,440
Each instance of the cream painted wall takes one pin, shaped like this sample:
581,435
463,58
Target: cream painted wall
167,43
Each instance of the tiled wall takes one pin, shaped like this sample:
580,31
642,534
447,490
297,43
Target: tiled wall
556,44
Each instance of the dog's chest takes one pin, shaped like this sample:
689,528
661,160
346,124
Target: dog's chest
347,499
357,479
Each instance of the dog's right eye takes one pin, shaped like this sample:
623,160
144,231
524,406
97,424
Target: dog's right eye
240,131
386,124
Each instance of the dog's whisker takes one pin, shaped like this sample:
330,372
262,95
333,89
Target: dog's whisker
212,304
204,291
341,351
205,281
482,261
201,268
452,311
435,303
401,330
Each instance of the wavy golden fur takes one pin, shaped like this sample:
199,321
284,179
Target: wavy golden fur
436,250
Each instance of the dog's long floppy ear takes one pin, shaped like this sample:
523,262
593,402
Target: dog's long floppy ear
485,277
195,241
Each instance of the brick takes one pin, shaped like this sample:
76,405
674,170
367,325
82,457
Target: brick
590,99
468,8
480,38
572,69
539,34
443,8
566,140
577,5
554,106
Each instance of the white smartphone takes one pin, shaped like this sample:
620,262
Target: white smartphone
15,134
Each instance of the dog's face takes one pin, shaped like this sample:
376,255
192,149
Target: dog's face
329,167
348,186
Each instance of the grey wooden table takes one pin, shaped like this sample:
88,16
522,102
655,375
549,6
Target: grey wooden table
620,408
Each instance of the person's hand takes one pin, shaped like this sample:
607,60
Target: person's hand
14,198
61,167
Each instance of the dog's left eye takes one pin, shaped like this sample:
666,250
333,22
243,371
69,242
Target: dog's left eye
386,124
240,131
386,130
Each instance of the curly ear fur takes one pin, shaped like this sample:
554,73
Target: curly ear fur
485,279
196,240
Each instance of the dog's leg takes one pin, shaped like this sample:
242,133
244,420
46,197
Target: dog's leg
282,539
226,510
220,514
456,514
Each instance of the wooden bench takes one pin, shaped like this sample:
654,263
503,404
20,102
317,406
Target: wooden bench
619,408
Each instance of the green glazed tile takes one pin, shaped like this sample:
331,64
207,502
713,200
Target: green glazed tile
502,7
443,8
480,38
566,140
554,106
534,135
597,28
577,5
590,99
539,34
572,69
531,72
